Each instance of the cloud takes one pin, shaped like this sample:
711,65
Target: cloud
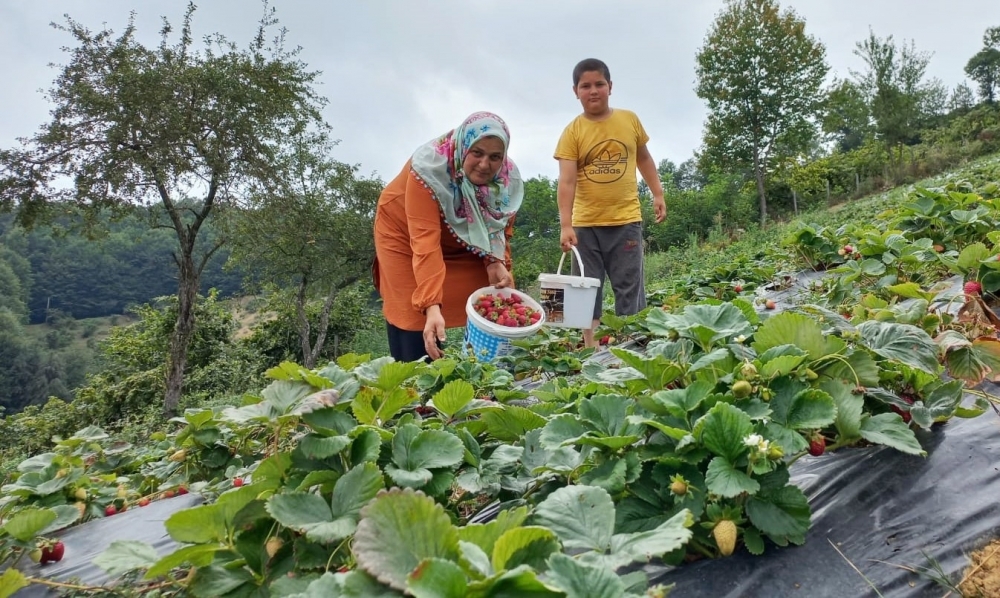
398,72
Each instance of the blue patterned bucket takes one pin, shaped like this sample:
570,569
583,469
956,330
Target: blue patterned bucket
489,341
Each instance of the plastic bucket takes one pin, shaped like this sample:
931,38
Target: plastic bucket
488,340
568,300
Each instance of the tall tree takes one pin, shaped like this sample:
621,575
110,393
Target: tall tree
899,98
962,99
761,75
309,229
846,117
984,66
173,125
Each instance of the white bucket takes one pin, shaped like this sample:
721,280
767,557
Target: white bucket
488,340
568,300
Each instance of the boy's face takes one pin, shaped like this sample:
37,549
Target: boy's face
593,91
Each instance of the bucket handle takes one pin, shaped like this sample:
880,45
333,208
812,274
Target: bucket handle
578,260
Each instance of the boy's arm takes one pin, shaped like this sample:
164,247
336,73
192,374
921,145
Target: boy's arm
647,168
565,193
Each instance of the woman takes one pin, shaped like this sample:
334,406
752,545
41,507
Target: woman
442,230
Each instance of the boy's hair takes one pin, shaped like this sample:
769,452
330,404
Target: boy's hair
587,65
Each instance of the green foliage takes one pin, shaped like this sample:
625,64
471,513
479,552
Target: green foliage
535,245
301,231
984,66
352,320
126,263
900,100
761,76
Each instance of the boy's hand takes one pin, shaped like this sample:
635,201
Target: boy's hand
567,237
659,209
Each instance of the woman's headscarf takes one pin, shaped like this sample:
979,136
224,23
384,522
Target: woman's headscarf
476,214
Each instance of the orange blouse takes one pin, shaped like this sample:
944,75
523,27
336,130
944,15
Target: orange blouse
418,261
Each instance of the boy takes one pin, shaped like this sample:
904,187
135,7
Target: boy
599,213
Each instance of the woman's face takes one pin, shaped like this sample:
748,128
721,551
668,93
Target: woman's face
484,160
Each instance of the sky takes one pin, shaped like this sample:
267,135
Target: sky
398,73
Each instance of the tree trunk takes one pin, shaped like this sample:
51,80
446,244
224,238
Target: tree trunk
759,174
189,275
305,331
187,293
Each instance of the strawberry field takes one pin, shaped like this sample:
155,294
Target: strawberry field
557,471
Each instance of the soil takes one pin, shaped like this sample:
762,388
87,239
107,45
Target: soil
982,578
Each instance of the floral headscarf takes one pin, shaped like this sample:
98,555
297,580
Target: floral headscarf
476,214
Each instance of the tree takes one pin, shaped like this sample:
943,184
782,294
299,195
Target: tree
846,117
962,99
183,128
901,102
984,66
309,229
535,246
761,76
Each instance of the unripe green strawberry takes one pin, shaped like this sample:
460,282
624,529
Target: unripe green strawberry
679,487
742,389
273,545
748,370
724,533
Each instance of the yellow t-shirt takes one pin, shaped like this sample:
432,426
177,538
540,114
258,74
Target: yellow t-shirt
607,192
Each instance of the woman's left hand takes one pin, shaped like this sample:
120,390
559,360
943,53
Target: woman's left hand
499,276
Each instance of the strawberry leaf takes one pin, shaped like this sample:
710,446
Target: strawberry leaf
437,578
791,328
723,429
782,515
609,475
416,452
849,408
123,556
582,517
398,530
529,545
608,415
511,423
28,523
724,479
11,582
890,430
453,397
903,343
576,578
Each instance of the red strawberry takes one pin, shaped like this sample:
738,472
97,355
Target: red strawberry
143,501
903,414
110,510
605,339
973,287
515,299
237,482
817,446
53,553
182,490
738,288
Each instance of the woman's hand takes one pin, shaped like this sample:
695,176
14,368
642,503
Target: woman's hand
499,276
434,331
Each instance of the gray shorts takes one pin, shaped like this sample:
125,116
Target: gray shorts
615,252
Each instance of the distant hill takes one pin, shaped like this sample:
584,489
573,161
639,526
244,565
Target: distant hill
131,264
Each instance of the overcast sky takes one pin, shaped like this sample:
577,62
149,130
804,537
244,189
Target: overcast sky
399,72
